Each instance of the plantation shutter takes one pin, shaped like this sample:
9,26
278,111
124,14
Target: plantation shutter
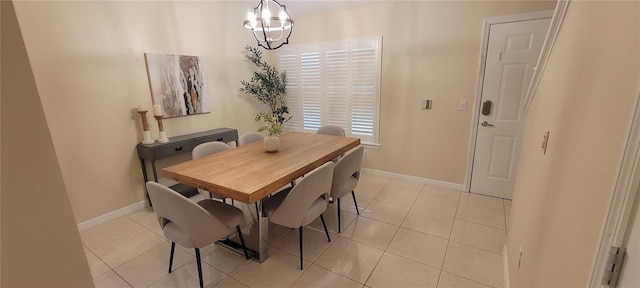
334,84
337,83
311,88
290,62
364,89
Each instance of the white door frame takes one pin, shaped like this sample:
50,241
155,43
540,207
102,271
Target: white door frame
483,59
622,199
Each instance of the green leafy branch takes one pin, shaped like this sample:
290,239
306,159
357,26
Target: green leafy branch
271,125
267,85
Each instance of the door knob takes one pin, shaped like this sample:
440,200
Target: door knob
486,124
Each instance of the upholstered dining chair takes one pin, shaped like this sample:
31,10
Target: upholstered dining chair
249,137
298,206
346,174
205,149
331,130
191,224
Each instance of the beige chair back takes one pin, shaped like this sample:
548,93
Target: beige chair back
208,148
205,149
199,227
347,172
250,138
331,130
295,211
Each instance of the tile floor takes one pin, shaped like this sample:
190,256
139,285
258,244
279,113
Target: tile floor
407,235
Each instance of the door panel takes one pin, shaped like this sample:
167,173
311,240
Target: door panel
511,92
512,52
501,161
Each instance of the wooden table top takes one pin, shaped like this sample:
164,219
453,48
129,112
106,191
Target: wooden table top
248,173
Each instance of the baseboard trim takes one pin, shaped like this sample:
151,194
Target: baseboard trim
505,263
112,215
443,184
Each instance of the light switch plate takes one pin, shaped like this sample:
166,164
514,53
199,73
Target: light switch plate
462,105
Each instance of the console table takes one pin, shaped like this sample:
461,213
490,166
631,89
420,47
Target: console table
178,145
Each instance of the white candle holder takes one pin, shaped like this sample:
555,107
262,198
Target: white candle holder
163,136
146,134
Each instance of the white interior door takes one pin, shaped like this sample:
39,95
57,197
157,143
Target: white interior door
512,53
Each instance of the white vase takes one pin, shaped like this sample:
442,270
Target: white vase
271,143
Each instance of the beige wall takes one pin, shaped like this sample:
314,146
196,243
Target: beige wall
430,50
585,99
87,58
40,241
88,63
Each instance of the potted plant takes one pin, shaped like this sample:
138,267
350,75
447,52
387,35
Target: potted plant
268,85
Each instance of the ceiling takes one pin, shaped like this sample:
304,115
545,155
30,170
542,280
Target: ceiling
305,7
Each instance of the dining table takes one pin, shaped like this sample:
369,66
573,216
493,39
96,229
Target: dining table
249,174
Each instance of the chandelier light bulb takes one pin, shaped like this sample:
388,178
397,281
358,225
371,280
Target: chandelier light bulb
252,19
283,18
266,16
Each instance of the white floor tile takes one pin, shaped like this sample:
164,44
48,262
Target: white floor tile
96,266
319,277
473,263
152,265
371,232
350,259
281,269
448,280
419,247
126,248
96,237
385,212
479,236
187,276
315,242
110,280
429,223
396,271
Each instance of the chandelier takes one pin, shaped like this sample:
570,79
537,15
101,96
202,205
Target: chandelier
271,31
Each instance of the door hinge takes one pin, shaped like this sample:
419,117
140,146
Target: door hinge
613,266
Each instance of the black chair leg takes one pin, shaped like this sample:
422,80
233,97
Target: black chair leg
257,211
173,249
339,216
300,229
198,260
355,202
325,228
244,247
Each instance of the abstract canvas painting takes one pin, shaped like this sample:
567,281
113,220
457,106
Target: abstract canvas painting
178,84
